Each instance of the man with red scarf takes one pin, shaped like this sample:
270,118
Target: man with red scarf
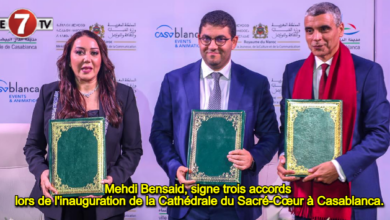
332,72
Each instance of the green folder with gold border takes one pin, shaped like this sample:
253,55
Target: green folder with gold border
313,133
213,134
77,161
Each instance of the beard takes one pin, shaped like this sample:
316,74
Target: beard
213,60
213,63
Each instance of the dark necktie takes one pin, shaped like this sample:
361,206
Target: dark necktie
215,96
321,90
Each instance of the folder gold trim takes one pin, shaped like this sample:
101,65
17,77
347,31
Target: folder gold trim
57,129
236,119
293,109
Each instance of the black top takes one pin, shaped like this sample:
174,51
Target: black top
93,113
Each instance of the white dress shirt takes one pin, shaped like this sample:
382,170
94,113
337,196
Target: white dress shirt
207,85
317,73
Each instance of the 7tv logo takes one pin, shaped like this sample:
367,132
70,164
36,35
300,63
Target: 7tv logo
23,23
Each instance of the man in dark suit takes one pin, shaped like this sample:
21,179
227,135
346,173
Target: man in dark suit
332,72
215,82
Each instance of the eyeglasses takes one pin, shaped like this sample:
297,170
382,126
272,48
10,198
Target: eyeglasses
219,41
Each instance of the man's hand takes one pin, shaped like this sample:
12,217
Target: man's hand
46,185
181,177
108,180
283,172
325,172
241,159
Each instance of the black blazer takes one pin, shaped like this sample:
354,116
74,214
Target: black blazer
120,165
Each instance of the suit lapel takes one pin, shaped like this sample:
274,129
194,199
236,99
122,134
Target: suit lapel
101,111
102,114
237,86
191,83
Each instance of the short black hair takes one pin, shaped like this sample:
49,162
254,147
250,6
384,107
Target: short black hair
219,18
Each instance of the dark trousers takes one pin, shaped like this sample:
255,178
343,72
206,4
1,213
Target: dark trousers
357,214
80,213
211,212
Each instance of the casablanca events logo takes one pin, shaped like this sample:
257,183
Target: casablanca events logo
351,30
17,93
164,31
182,39
2,87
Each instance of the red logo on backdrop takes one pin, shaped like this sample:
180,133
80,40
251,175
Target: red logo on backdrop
97,29
23,23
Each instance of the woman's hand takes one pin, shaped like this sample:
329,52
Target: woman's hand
46,185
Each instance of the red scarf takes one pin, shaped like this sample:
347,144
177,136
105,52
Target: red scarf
341,84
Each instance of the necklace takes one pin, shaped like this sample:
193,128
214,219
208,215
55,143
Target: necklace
87,95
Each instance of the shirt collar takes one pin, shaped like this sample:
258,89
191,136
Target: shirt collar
225,71
320,62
